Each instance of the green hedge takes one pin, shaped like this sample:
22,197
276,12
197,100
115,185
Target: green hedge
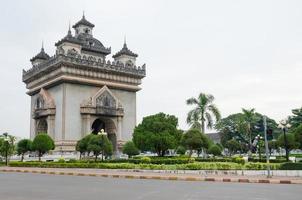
263,160
291,166
188,166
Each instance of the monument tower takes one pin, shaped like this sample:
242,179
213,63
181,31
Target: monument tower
78,91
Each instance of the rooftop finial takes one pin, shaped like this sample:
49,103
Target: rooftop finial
69,31
125,43
42,49
83,13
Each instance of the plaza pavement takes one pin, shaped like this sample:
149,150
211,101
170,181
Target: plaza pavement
138,174
28,186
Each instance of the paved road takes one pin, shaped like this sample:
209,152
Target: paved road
18,186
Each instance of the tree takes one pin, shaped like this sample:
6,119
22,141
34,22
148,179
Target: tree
193,139
215,150
272,145
181,150
291,142
296,119
82,145
42,143
130,149
7,146
203,112
99,144
233,146
298,135
23,147
157,133
250,118
235,126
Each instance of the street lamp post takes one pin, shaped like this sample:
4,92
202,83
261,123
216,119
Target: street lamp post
259,138
6,140
102,133
284,126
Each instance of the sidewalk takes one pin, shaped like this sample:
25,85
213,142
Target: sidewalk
137,174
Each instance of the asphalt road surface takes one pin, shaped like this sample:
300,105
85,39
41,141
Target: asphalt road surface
19,186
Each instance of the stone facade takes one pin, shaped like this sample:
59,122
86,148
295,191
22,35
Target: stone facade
77,91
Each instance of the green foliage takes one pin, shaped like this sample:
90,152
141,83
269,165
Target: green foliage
193,139
298,135
233,146
157,133
291,142
99,144
82,144
23,147
244,126
7,145
272,145
215,150
291,166
203,112
42,143
145,159
296,119
181,150
130,149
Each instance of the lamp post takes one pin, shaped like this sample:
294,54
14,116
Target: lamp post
259,138
284,125
6,140
102,133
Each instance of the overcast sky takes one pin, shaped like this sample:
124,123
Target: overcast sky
248,54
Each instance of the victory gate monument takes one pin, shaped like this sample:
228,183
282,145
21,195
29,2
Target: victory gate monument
78,91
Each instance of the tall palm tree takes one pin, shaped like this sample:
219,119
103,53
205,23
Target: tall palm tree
203,112
249,116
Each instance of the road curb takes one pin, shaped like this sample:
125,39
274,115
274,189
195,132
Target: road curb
170,178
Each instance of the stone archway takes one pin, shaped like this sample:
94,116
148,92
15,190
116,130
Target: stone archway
42,126
109,127
97,126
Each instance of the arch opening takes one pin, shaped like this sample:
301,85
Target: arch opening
41,126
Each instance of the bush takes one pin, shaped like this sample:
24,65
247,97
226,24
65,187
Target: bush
145,160
187,166
214,150
130,149
291,166
263,160
181,150
238,160
42,143
261,166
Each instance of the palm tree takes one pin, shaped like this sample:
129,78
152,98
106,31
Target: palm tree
249,116
203,112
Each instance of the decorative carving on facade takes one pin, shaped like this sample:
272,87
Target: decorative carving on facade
103,103
105,100
44,105
89,63
72,53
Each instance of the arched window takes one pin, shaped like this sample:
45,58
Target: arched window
39,103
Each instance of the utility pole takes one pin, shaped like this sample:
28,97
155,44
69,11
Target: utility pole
266,148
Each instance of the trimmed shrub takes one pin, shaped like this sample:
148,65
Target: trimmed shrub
291,166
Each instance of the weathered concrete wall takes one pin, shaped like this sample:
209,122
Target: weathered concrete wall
75,95
128,100
56,93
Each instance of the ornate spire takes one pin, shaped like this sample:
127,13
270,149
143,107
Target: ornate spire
83,21
69,31
125,51
41,55
42,48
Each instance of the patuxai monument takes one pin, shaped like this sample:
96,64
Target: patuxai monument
78,91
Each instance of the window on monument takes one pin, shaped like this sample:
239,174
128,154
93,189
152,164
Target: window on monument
87,30
39,103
